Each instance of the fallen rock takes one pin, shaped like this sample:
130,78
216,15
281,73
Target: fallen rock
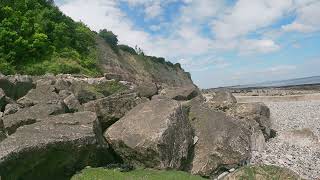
181,93
11,109
221,100
31,115
224,143
54,148
3,134
262,172
155,134
147,90
2,99
16,86
72,103
112,108
258,112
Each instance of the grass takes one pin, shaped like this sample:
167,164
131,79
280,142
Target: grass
140,174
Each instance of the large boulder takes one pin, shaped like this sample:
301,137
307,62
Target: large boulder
147,89
180,93
257,112
155,134
221,100
16,86
112,108
43,93
54,148
223,142
31,115
3,134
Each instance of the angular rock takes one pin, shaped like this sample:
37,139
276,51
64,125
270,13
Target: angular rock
72,103
11,109
258,112
155,134
112,108
2,99
147,90
181,93
16,86
3,133
43,93
223,143
222,100
54,148
31,115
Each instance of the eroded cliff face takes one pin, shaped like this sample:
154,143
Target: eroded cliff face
138,68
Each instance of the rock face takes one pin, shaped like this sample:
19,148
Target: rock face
258,112
222,100
180,93
112,108
16,86
54,148
223,142
153,134
2,99
31,115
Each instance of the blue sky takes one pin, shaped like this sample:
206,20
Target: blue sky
221,42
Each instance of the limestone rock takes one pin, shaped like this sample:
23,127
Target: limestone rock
2,99
54,148
147,90
224,143
112,108
16,86
72,103
258,112
154,134
11,109
31,115
222,100
181,93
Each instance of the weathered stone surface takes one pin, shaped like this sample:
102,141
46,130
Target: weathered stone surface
54,148
153,134
3,134
112,108
2,99
223,143
11,109
85,94
262,172
43,93
258,112
31,115
221,100
181,93
72,103
147,90
16,86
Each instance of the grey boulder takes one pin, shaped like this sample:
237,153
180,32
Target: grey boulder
155,134
180,93
223,142
16,86
114,107
54,148
221,100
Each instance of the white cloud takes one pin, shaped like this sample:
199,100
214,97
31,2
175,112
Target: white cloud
248,16
257,46
307,18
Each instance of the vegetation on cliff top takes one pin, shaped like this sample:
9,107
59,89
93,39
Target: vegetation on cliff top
37,38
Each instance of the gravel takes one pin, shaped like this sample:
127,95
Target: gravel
296,145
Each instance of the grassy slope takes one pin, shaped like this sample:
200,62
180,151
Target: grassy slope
106,174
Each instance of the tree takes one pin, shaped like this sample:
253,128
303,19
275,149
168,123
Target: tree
110,38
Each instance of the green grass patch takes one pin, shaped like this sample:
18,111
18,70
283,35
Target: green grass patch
140,174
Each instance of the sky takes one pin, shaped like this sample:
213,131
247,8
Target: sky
221,42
